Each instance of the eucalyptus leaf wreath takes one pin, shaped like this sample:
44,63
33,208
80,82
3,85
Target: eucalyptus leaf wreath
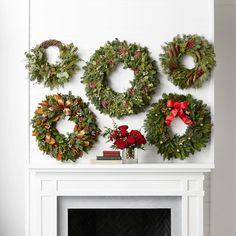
101,65
52,75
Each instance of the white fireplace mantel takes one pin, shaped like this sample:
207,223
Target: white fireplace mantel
47,184
152,167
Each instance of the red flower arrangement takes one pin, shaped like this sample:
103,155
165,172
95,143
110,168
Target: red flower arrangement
122,139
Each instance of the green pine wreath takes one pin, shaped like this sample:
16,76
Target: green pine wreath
192,111
101,65
52,75
60,146
203,55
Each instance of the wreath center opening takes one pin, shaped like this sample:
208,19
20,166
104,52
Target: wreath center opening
52,54
187,62
178,126
65,126
119,79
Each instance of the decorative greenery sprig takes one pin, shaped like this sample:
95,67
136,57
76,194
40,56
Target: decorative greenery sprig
52,75
100,66
192,111
203,55
60,146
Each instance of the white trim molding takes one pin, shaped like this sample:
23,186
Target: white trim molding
151,167
48,184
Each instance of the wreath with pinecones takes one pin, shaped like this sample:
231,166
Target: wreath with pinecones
52,75
192,112
60,146
203,56
101,65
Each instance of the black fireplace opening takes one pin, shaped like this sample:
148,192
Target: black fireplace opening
119,222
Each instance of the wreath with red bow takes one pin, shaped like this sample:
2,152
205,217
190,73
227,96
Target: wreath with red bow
199,49
60,146
192,112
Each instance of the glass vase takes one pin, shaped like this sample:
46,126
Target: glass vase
130,156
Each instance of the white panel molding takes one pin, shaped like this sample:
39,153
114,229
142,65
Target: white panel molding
47,186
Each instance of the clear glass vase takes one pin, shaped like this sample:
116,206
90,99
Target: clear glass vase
130,156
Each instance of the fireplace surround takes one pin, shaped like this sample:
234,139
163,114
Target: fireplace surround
48,185
154,223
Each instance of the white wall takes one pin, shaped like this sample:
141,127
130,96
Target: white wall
13,115
89,24
13,146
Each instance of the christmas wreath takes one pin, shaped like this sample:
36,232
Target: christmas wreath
60,146
100,66
203,55
52,75
192,112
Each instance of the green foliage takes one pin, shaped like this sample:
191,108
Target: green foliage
53,75
172,145
60,146
100,66
203,55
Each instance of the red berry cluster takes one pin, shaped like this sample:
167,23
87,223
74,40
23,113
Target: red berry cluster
124,139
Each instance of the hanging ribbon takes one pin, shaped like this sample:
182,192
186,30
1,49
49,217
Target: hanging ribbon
177,109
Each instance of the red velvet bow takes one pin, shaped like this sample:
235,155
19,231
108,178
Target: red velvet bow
178,109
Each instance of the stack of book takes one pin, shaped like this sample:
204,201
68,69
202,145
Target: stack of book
109,157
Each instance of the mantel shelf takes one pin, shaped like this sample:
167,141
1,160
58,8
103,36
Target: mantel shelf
173,167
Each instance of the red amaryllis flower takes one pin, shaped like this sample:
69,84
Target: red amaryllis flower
124,133
114,134
134,132
122,138
131,140
120,144
140,139
124,127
